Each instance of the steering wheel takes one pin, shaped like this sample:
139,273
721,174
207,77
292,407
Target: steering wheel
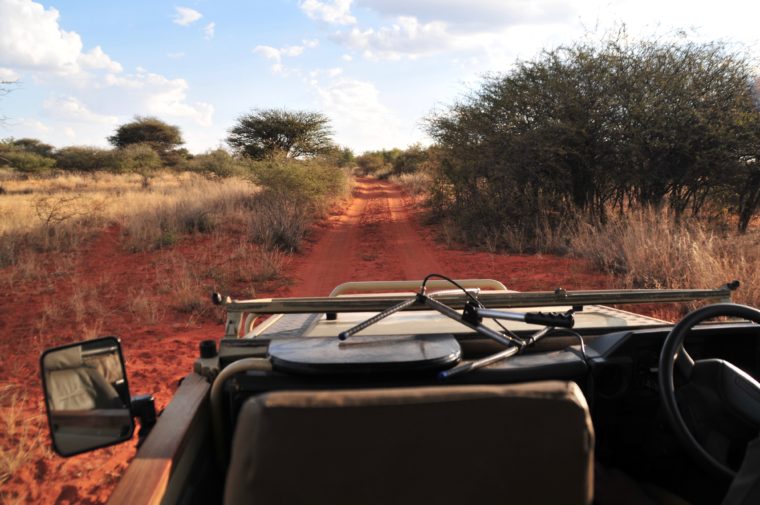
732,389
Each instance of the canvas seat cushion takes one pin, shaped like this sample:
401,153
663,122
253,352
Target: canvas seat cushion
524,444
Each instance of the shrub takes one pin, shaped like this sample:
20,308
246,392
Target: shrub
87,159
33,146
410,160
140,159
415,184
27,162
218,162
377,163
280,221
314,182
589,127
162,137
294,193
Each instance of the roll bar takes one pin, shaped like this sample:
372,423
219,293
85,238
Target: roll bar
491,299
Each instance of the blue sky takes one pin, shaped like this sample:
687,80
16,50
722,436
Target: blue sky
375,67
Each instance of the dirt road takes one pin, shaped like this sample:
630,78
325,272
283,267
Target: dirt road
375,239
379,237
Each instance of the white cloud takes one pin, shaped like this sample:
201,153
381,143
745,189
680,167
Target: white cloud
209,30
291,51
346,57
168,98
151,93
185,16
30,38
333,12
478,15
35,125
359,117
8,75
406,37
96,58
268,52
176,56
276,55
271,53
70,109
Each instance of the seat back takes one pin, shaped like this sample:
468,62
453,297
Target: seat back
73,385
522,444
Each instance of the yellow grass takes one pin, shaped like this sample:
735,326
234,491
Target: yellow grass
649,249
112,197
58,213
416,183
18,436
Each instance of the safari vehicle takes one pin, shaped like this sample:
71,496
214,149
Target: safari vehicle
437,391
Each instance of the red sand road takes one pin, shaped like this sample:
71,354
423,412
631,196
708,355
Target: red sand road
377,236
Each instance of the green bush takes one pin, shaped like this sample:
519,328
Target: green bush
86,159
26,162
139,159
294,193
218,162
372,163
33,146
410,160
314,182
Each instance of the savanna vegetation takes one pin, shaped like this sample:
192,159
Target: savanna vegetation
157,194
266,133
577,151
642,156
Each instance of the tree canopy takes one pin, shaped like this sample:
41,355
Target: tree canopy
593,126
161,136
264,133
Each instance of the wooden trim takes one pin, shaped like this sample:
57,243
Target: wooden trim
147,477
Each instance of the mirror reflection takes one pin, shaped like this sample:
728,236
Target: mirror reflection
87,396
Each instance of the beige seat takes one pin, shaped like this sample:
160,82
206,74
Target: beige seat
73,385
525,444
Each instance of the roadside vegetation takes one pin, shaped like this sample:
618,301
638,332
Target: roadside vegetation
641,156
598,129
154,195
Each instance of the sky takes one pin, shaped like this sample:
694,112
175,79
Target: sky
376,68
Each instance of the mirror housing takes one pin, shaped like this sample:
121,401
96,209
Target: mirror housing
86,396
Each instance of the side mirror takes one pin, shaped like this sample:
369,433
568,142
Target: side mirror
86,395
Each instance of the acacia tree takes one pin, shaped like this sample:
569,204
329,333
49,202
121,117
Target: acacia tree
264,133
162,137
588,126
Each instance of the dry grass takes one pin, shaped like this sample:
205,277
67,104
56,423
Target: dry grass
143,308
280,222
416,183
649,249
199,208
58,214
19,438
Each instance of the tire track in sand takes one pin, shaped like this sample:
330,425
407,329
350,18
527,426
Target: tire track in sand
327,262
375,239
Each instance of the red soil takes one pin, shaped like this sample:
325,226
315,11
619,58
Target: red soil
378,236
